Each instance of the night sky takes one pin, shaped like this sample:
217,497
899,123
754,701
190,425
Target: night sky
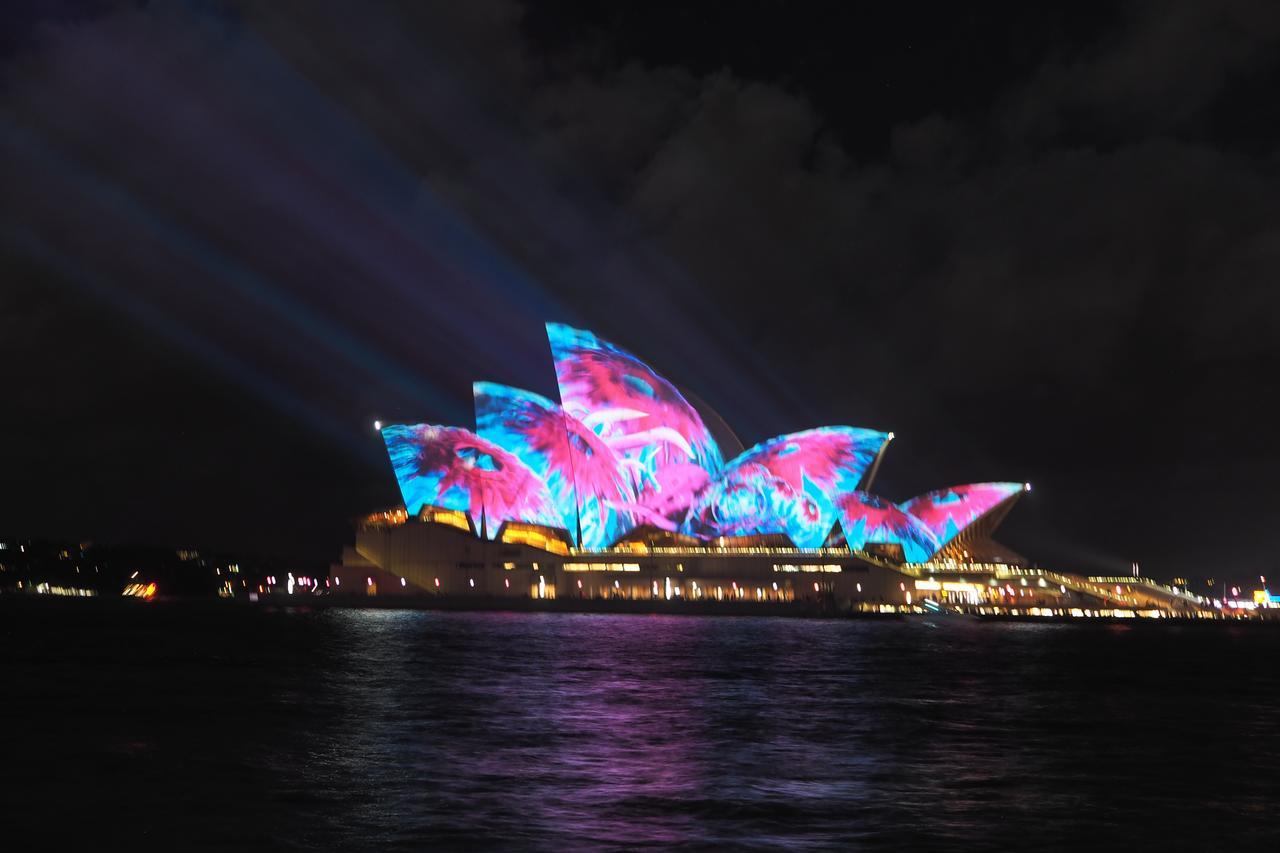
1038,242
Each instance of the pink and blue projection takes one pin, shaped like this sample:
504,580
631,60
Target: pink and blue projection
624,449
584,476
786,485
665,447
454,468
947,512
868,519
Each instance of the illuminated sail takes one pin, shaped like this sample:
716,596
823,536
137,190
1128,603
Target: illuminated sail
786,485
624,449
454,468
868,519
584,476
666,449
947,512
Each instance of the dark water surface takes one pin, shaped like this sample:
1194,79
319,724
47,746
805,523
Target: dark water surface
193,727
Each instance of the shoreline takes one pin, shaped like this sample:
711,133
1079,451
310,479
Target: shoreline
505,604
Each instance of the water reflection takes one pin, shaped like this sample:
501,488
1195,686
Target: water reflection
557,730
355,729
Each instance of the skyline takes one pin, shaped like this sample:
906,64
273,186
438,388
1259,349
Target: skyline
235,237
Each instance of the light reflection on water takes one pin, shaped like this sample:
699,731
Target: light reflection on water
400,729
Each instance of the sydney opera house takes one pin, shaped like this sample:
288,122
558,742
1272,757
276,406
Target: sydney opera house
621,491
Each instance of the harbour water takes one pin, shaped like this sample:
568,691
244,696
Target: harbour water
201,727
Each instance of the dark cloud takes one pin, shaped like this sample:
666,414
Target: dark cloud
1159,71
1040,247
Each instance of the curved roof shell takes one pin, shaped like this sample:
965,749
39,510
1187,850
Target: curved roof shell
947,512
788,484
870,519
583,475
454,468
